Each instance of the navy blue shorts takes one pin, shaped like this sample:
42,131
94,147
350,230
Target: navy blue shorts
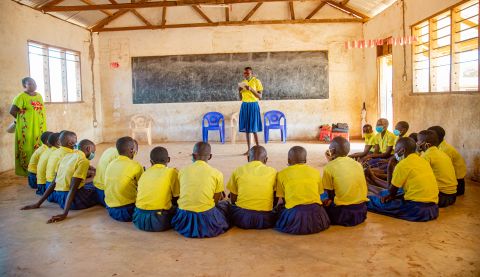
403,209
32,180
347,215
122,213
251,219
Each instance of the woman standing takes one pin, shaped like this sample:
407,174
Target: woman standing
250,91
31,121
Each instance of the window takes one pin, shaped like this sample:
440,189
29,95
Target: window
56,72
445,56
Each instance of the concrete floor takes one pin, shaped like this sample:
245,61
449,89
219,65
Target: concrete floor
90,243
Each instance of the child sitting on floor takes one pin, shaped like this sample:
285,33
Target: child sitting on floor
121,181
32,165
345,184
53,143
156,196
106,158
299,187
201,188
369,143
441,165
416,177
68,188
252,189
67,142
457,159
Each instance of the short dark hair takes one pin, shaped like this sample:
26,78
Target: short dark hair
84,143
414,136
430,136
248,68
44,137
408,143
25,80
53,138
124,144
159,155
403,124
65,136
440,132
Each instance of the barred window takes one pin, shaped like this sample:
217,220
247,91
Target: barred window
445,56
56,71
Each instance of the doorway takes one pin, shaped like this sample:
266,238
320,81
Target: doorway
385,82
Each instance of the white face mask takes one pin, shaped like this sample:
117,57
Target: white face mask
398,157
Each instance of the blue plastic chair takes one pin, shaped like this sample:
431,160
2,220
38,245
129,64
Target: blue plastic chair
213,121
273,118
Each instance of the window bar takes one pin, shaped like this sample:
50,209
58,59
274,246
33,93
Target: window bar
46,74
64,77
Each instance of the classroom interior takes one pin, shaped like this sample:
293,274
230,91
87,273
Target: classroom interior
102,43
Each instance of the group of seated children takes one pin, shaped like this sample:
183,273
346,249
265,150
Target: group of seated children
410,177
191,200
407,179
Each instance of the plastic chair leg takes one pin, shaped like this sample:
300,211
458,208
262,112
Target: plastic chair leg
266,134
204,135
149,137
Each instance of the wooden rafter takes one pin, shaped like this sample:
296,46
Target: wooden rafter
344,2
227,14
247,17
202,14
164,17
234,23
346,9
105,21
316,10
152,4
143,19
50,4
292,10
88,2
237,23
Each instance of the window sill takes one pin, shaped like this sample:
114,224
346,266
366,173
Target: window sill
56,103
444,93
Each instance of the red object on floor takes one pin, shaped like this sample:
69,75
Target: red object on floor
325,133
335,134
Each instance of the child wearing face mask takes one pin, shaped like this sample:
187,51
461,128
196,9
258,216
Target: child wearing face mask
121,181
68,188
415,176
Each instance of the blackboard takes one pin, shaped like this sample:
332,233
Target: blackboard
215,77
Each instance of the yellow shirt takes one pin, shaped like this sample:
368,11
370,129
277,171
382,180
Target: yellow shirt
108,155
42,165
442,169
32,166
388,140
254,184
457,159
73,165
299,184
345,176
54,160
247,96
370,140
121,180
198,183
416,177
156,188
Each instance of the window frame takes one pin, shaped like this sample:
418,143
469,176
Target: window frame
79,73
412,49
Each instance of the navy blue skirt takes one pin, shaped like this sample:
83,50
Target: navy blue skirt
250,219
122,213
85,197
206,224
445,200
100,196
153,220
303,220
250,120
32,180
348,215
460,186
40,189
403,209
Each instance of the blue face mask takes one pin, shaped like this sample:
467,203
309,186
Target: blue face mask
399,157
91,156
396,132
379,129
75,147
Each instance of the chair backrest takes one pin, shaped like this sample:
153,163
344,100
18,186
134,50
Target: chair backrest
273,117
140,121
213,119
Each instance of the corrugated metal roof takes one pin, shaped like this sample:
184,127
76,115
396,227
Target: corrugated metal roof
89,18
